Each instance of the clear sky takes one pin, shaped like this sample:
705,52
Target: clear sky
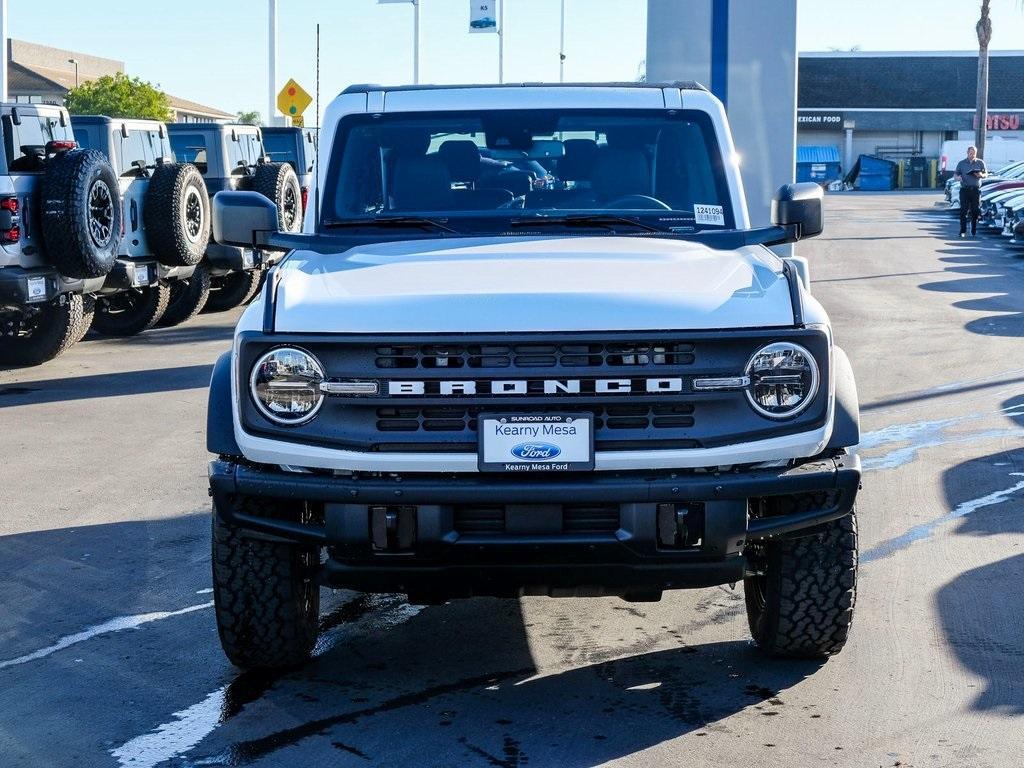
214,51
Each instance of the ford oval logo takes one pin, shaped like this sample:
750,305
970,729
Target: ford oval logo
536,451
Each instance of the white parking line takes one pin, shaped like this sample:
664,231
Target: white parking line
113,625
189,727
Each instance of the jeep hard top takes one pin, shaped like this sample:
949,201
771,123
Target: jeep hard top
463,382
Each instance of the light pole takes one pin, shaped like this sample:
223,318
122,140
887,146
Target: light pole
271,62
75,62
561,46
415,42
501,41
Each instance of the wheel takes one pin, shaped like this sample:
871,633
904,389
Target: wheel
48,332
232,290
266,597
130,312
800,603
177,214
188,297
81,213
278,182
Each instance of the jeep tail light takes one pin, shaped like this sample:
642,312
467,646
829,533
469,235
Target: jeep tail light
305,198
11,235
9,204
10,232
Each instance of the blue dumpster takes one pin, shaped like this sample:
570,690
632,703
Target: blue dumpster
819,164
875,173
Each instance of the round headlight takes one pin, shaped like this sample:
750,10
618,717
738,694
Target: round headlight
285,385
783,380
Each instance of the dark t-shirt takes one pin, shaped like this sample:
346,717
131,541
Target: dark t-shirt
964,168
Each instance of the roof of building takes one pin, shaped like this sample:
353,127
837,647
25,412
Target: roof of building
924,80
195,108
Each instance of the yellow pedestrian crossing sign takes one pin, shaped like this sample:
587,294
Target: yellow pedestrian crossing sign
293,100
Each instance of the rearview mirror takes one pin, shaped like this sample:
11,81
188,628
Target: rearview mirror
242,218
798,207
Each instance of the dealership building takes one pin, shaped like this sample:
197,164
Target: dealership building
898,105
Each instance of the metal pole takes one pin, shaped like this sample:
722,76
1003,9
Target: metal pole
415,42
561,47
501,41
6,53
271,61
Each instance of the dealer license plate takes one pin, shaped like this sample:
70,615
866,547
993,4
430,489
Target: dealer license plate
540,443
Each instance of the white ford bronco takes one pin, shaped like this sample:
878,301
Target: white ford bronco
529,343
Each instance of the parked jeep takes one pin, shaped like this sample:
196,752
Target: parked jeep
606,387
60,231
166,228
232,157
295,146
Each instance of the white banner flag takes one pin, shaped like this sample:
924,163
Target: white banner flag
483,16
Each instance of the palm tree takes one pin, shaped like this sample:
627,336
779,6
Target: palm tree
984,30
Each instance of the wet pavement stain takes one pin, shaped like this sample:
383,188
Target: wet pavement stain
244,752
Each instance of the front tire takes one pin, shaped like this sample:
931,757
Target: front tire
800,603
48,332
130,312
232,290
188,297
266,597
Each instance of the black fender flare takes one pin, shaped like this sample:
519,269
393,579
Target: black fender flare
846,423
220,428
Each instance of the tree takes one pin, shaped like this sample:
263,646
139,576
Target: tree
250,118
984,30
119,96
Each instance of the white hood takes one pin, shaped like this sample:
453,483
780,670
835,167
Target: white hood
484,285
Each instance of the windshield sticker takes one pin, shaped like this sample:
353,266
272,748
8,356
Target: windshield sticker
709,214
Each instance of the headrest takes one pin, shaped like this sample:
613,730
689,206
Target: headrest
462,158
421,183
621,172
404,140
578,162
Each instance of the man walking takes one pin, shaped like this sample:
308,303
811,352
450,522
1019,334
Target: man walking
970,172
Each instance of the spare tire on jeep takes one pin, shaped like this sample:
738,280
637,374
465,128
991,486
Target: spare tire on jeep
278,182
177,214
81,213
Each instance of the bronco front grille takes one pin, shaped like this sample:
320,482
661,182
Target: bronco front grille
534,356
478,520
453,419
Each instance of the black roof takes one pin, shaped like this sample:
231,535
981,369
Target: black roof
685,85
939,81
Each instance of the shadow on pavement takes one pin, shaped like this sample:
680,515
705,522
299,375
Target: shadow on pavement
105,385
981,610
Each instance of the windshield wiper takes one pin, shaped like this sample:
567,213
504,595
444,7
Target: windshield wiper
385,222
603,220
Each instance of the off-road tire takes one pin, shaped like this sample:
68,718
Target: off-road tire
81,213
232,290
279,183
188,297
177,214
802,606
265,593
130,312
56,328
88,312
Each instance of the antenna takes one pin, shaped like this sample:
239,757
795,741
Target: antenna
316,177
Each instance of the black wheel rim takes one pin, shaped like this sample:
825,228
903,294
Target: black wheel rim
194,215
101,213
289,207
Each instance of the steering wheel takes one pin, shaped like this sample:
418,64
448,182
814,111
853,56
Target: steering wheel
637,201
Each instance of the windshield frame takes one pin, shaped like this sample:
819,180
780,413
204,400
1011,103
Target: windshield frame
496,221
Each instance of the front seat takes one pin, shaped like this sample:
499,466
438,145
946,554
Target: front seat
420,183
620,172
462,158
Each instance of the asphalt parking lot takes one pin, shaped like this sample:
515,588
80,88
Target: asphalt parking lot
109,654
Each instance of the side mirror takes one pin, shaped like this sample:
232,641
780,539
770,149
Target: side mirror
242,218
798,207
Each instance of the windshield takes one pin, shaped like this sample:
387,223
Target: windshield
282,148
484,170
190,148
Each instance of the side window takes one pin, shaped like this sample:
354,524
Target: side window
82,137
131,150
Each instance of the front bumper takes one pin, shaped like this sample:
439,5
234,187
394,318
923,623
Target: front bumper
521,540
